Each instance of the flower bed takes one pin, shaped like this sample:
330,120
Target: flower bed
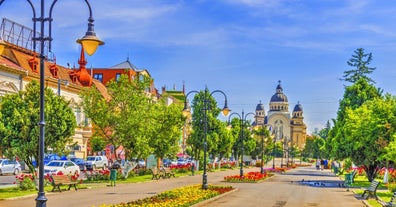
180,197
251,177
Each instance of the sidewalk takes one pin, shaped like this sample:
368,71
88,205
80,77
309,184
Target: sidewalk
285,189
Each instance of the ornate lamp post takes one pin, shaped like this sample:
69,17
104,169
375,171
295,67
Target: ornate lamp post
264,133
89,42
262,154
206,107
273,153
243,119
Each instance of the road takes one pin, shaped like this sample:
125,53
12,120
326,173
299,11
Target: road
7,180
282,190
319,188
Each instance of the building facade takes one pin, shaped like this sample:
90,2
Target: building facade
289,129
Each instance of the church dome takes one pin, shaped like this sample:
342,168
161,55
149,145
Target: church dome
298,107
279,96
260,107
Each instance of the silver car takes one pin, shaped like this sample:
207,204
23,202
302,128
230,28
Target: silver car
65,166
9,166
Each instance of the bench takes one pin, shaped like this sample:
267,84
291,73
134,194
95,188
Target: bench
372,190
59,180
391,203
168,172
157,174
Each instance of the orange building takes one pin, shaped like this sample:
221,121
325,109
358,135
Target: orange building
105,75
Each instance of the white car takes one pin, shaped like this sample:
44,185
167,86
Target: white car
65,166
9,166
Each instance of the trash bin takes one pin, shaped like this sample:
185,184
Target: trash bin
348,180
336,170
192,169
113,177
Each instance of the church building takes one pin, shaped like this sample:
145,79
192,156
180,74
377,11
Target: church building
284,127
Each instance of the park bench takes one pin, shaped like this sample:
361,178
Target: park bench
59,180
157,174
391,203
372,190
168,172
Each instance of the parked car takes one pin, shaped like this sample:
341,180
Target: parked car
65,166
48,158
9,166
181,161
166,162
142,163
95,162
78,161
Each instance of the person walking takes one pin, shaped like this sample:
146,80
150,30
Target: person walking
321,164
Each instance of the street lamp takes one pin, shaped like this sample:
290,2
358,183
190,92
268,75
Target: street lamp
206,107
243,119
263,133
59,85
273,154
89,43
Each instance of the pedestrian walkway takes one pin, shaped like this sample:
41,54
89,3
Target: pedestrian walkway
281,190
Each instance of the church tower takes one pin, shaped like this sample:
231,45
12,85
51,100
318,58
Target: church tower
259,118
298,128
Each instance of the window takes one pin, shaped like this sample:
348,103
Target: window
78,115
98,76
118,75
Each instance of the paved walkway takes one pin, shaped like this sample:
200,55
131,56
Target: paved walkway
279,191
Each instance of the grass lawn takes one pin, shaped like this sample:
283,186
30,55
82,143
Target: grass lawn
383,193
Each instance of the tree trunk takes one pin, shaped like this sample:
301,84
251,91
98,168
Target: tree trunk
371,171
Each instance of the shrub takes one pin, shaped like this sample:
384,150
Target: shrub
25,181
250,177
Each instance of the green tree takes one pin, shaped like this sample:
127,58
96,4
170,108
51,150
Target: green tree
370,136
123,117
390,151
263,143
314,147
20,117
354,96
196,139
168,121
249,143
360,62
224,142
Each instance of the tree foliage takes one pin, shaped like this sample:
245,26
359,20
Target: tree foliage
354,96
20,118
359,61
203,102
166,134
370,136
123,118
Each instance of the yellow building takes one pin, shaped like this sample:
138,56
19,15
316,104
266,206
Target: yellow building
287,128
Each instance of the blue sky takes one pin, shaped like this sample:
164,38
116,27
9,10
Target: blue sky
242,47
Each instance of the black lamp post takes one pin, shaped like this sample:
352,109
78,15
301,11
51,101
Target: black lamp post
262,152
243,119
89,42
283,151
206,107
262,155
273,153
